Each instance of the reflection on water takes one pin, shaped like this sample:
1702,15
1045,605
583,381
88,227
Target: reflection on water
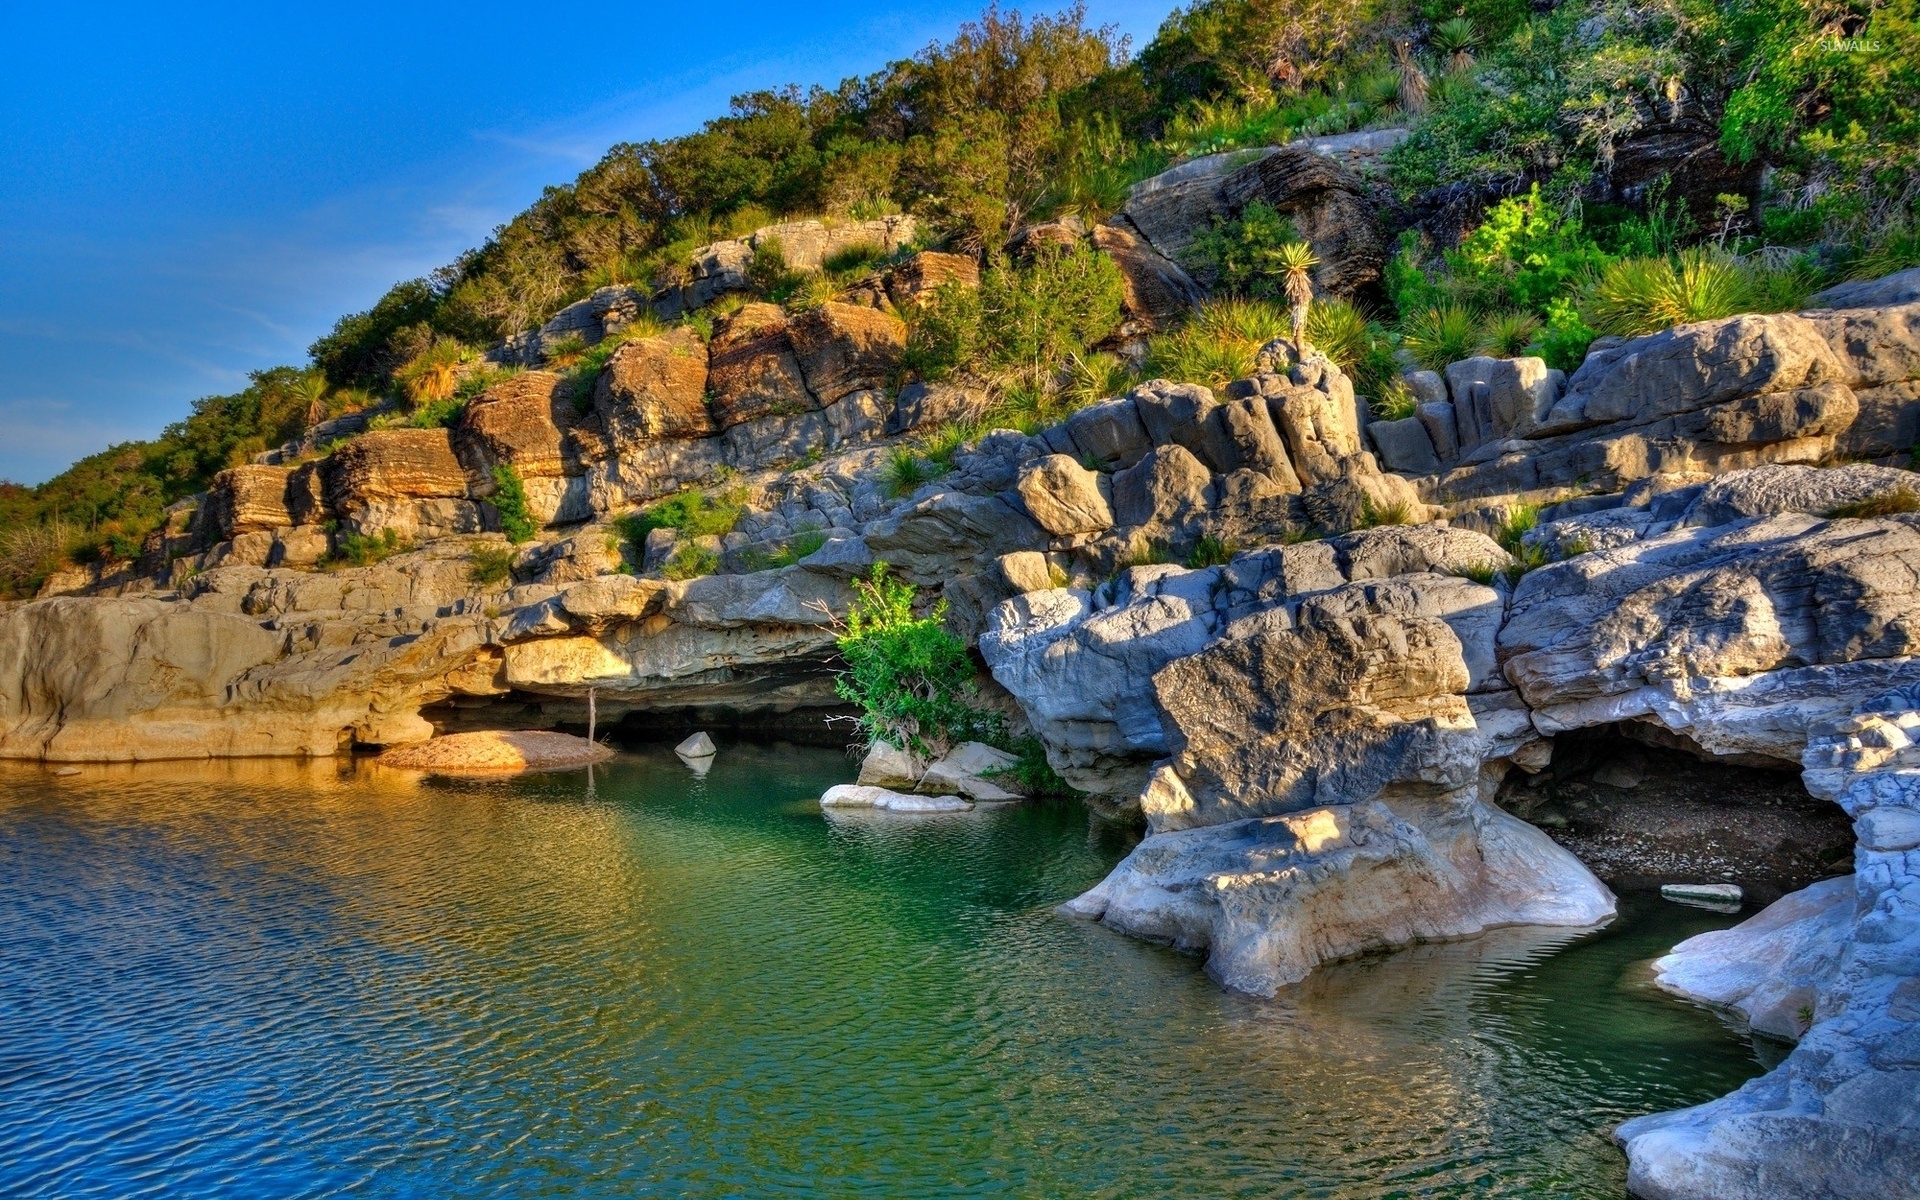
278,980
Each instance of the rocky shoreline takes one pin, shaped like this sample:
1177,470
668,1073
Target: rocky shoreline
1274,631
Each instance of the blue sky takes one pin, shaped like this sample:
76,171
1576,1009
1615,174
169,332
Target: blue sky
187,196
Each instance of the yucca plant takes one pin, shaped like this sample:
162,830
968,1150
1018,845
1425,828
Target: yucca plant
1412,80
1456,37
1297,260
1508,334
1438,336
431,374
1635,296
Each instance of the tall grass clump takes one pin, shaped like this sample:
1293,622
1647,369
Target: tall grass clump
1441,335
1645,295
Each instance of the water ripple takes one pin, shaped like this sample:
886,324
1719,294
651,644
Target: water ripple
277,980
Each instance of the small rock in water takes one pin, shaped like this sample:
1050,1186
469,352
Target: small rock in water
65,771
1722,897
697,746
854,795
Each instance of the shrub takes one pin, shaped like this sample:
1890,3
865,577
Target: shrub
1031,774
1899,500
1523,253
1211,552
510,501
1519,521
364,550
488,565
1508,334
943,336
768,274
1395,401
1091,378
797,547
1217,345
1033,317
906,471
1893,249
1567,336
438,414
1360,347
1436,337
1785,287
565,351
1236,255
1645,295
432,373
692,513
855,260
691,562
911,677
1373,515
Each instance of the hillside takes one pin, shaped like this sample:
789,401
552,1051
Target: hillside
1777,131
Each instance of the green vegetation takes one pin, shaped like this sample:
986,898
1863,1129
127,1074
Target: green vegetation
691,513
1031,774
1211,552
907,470
510,501
911,677
364,550
691,561
1374,515
490,565
1016,119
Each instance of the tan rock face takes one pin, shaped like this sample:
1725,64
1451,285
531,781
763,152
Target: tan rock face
917,279
752,371
1064,497
1158,290
523,422
845,348
394,464
655,387
248,499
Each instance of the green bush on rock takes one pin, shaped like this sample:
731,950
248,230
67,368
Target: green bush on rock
911,677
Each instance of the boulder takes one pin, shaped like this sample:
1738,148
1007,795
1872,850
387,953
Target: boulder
1336,712
249,499
971,769
1176,414
696,745
844,348
522,422
751,368
1901,287
1110,433
1404,446
808,245
1026,571
1270,899
950,534
393,465
1158,292
923,405
1065,497
654,388
1328,204
1240,435
1060,233
1770,491
1740,637
1167,489
889,766
1496,398
1173,207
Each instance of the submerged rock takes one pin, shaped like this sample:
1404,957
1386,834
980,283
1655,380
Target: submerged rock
508,750
853,795
1269,899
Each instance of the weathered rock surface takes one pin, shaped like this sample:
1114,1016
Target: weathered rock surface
1064,497
856,796
1270,899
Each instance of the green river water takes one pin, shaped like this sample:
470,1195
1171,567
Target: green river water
269,980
